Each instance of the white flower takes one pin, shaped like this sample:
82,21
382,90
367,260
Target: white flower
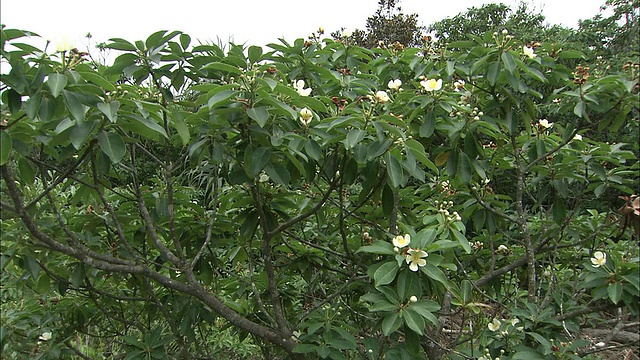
382,96
299,86
347,33
503,248
63,43
263,178
599,258
494,325
600,344
459,84
505,32
45,336
431,84
415,259
514,321
400,241
577,137
394,84
545,123
305,116
529,52
413,299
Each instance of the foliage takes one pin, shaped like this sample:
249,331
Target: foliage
524,21
315,199
388,25
616,33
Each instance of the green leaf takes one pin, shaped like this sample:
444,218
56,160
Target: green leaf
56,83
383,305
408,284
80,132
223,67
493,72
378,247
151,125
464,168
426,305
98,80
278,173
77,277
255,54
394,170
259,158
426,308
462,240
353,138
112,144
313,149
185,40
27,172
32,266
159,38
220,97
44,283
182,129
110,110
565,54
304,348
559,212
414,320
259,115
615,292
391,323
15,101
540,339
386,273
76,108
509,62
579,108
377,148
435,273
5,147
121,44
429,125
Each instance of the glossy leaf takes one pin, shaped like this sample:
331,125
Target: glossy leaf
112,144
110,110
56,83
259,115
5,147
386,273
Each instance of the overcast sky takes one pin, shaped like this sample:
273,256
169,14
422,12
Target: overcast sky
252,21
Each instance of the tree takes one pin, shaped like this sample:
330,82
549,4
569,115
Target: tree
616,34
527,22
319,200
388,25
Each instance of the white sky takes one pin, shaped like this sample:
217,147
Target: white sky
256,22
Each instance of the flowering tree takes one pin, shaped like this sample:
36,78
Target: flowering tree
321,199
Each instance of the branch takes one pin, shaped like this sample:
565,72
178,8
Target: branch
491,209
144,212
122,266
268,263
294,220
61,177
208,235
